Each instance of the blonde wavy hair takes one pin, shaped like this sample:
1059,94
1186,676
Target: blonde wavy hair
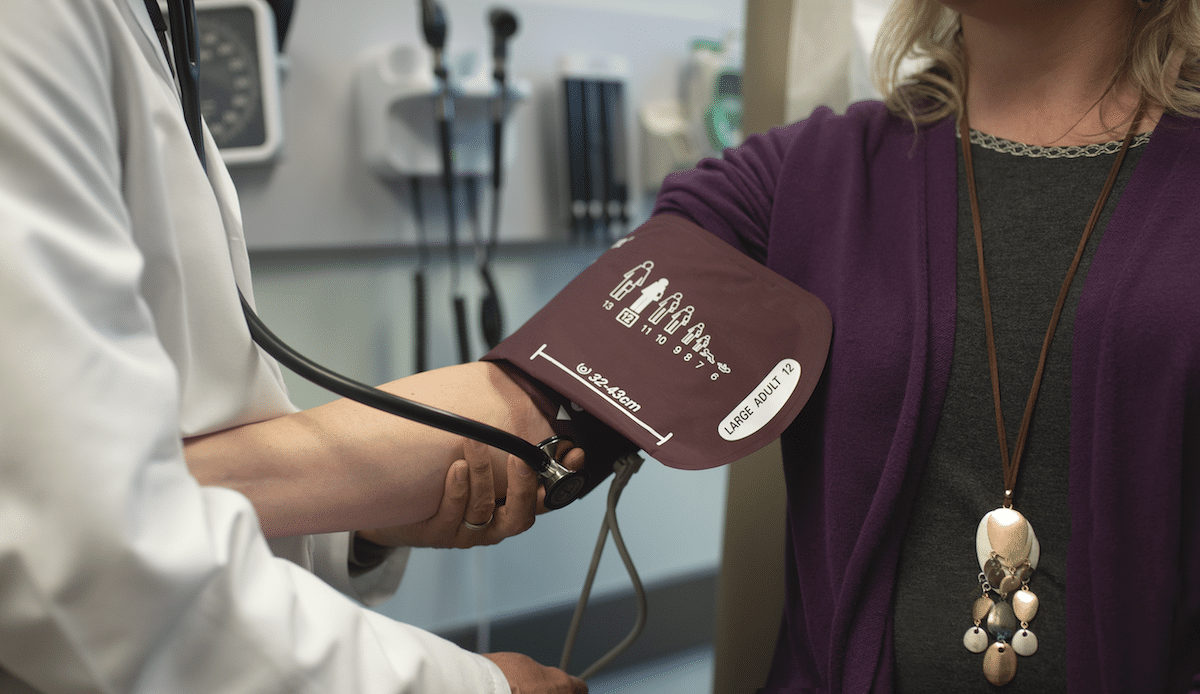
1162,60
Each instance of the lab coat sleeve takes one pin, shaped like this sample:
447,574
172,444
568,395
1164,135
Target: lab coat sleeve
117,571
329,555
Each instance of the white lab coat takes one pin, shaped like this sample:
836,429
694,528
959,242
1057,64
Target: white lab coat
122,333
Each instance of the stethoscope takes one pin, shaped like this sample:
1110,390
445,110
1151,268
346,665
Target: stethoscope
562,485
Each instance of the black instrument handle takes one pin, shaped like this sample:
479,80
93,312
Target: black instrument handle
460,321
420,321
490,316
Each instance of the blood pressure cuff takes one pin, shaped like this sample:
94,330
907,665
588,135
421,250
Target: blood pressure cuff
678,343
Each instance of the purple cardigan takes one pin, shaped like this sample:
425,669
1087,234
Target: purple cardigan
861,210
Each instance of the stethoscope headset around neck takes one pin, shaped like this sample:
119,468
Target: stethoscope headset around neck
562,485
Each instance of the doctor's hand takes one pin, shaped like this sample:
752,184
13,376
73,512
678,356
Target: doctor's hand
468,515
526,676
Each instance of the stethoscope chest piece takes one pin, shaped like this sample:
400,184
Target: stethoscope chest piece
562,485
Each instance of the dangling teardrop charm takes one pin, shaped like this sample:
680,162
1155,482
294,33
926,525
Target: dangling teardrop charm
976,640
1008,552
979,611
1009,585
1000,664
1024,642
994,572
1025,605
1001,621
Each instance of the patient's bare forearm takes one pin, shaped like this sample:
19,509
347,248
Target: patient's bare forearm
346,466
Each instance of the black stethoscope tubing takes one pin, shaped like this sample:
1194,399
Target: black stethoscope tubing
382,400
562,485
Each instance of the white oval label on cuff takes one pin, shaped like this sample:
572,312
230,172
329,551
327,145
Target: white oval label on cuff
763,403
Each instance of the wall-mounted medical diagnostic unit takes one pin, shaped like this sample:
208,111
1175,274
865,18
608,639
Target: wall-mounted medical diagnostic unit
424,116
594,148
359,106
399,95
703,119
238,51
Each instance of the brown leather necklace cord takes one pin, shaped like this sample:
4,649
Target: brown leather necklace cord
1012,464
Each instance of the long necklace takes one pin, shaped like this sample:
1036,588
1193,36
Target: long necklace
1007,548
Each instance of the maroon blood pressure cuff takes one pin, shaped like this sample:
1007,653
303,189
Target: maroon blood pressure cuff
683,346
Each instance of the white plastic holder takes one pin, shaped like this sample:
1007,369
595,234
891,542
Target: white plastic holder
667,146
396,98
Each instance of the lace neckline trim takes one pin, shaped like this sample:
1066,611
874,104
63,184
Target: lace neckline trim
1020,149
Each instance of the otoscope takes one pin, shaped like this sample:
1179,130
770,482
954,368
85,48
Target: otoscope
504,25
420,318
433,23
562,485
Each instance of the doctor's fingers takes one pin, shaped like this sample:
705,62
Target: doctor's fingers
446,528
525,499
482,502
521,504
513,517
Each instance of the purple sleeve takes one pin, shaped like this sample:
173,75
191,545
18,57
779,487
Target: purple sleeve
733,197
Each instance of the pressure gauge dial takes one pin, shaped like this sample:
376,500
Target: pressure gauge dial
239,78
